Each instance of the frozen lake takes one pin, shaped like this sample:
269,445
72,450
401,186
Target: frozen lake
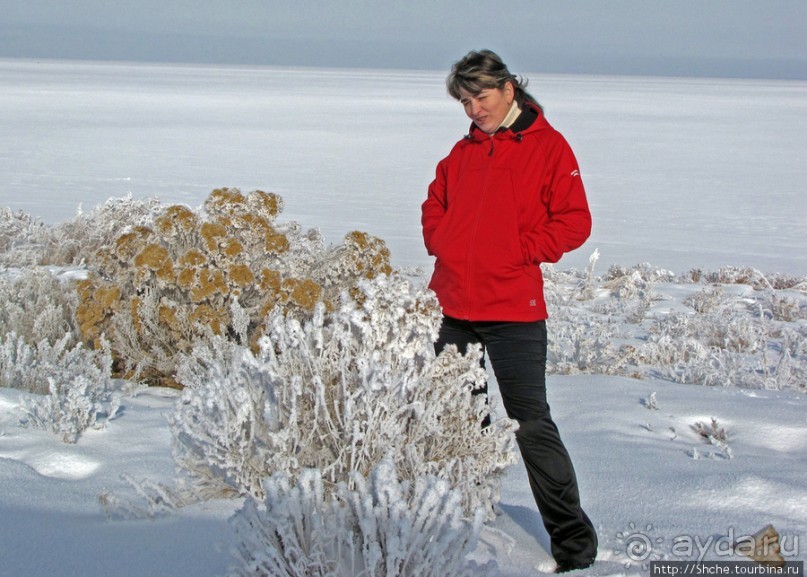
681,173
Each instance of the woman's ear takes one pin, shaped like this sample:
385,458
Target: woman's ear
509,92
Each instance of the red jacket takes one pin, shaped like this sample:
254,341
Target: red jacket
497,208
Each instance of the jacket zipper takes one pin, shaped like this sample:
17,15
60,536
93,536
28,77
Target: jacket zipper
472,249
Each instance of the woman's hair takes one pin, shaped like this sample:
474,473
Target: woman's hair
479,70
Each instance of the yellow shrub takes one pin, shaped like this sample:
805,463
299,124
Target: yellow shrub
176,219
239,275
211,233
304,293
97,304
156,289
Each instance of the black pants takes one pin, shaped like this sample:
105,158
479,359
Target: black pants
517,353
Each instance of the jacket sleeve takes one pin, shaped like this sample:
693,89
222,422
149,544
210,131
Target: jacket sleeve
434,207
567,223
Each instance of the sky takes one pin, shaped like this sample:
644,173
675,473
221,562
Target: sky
722,38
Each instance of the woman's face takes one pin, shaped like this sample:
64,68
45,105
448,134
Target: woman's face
488,108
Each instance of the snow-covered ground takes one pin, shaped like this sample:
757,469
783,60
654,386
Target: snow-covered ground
682,173
646,477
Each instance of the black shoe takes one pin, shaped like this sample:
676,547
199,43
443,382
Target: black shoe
575,566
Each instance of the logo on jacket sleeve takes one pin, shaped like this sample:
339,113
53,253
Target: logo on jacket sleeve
533,303
575,173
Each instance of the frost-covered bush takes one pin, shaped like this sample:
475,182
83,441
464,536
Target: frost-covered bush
336,393
40,353
76,401
73,385
22,238
705,300
377,527
738,275
726,345
644,272
78,239
787,309
743,328
37,305
580,343
156,289
634,293
715,435
27,367
26,241
38,335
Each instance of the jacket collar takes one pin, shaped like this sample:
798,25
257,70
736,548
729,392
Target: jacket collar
530,120
512,115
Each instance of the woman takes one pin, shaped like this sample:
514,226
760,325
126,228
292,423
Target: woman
507,198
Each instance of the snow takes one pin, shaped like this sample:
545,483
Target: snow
635,466
682,173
